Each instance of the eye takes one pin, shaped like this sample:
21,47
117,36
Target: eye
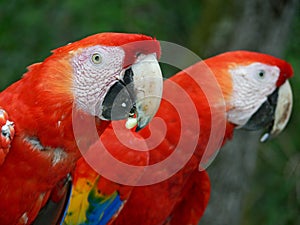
96,58
261,74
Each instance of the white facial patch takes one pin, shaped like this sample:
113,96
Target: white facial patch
252,84
96,69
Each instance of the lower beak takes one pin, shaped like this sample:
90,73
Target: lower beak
274,114
137,95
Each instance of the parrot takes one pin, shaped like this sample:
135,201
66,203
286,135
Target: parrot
100,78
255,94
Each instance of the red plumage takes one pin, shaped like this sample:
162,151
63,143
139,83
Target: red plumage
182,198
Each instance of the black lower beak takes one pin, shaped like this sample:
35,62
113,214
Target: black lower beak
136,95
119,101
264,117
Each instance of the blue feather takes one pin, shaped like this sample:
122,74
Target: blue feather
111,210
99,211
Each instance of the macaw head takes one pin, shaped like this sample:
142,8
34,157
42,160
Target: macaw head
112,76
260,95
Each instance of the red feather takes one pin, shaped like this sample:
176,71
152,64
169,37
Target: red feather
182,198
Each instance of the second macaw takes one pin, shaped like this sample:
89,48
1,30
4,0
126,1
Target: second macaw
257,95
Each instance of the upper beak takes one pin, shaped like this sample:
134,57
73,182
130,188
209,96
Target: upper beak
274,114
137,95
282,112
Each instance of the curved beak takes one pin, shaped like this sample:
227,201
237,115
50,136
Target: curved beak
274,113
137,94
282,112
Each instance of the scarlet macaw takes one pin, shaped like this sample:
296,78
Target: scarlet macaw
78,81
257,95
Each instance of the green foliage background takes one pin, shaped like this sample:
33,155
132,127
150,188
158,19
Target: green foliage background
30,29
275,194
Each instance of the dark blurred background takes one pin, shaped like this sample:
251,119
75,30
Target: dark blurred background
252,183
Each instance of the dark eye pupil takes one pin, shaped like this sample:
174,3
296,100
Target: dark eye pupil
261,74
96,58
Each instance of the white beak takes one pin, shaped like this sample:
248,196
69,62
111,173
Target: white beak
282,112
148,86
